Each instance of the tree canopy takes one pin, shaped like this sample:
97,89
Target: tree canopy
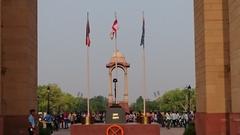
172,100
64,102
177,100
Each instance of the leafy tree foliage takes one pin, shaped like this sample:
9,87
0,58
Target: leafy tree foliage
98,104
138,105
172,100
150,105
177,100
64,102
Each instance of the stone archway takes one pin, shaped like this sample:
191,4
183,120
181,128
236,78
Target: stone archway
217,30
122,64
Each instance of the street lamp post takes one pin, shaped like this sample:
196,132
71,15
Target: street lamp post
38,98
189,96
48,104
115,89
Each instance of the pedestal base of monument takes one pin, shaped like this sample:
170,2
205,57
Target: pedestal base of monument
124,106
127,129
115,114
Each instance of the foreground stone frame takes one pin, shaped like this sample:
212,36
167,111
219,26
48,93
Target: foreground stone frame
129,129
18,63
217,54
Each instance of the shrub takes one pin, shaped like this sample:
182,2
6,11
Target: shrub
44,131
190,129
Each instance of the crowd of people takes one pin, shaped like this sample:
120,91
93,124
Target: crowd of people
165,119
64,120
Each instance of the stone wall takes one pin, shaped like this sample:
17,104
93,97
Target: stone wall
234,23
212,66
18,63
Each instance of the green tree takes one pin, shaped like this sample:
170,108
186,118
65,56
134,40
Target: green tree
138,105
58,100
98,104
177,100
152,106
61,101
80,104
172,100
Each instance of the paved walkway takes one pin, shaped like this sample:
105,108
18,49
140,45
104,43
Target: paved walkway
164,131
172,131
62,132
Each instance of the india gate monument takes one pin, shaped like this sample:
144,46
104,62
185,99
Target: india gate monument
122,64
217,59
18,51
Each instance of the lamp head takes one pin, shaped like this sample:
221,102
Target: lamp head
115,80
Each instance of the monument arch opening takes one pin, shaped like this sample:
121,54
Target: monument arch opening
118,59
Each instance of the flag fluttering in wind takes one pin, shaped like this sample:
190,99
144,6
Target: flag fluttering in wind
88,41
155,95
114,29
143,33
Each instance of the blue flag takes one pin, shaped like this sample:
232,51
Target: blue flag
143,33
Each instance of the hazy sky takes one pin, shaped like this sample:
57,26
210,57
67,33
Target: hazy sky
169,43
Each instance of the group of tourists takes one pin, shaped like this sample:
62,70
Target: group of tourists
64,120
165,119
174,119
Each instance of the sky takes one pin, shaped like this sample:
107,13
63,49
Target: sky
169,44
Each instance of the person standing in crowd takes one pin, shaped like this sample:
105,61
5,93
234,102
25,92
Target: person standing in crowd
174,119
65,118
49,120
168,120
32,122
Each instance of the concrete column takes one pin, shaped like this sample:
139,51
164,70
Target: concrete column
18,64
234,32
1,118
212,66
125,87
110,95
0,59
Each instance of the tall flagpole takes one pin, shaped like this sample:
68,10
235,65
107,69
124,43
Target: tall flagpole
144,71
88,88
144,84
116,60
88,79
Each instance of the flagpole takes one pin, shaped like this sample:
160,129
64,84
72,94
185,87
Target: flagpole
144,86
116,60
87,122
88,88
145,120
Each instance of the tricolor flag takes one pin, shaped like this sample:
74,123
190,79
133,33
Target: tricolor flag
114,29
143,33
88,41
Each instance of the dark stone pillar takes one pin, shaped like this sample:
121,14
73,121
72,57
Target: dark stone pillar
18,61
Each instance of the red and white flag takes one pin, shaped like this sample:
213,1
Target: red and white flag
114,29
